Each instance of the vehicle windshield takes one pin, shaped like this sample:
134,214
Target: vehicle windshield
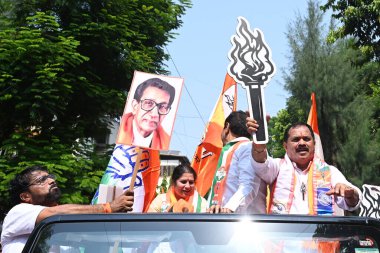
205,236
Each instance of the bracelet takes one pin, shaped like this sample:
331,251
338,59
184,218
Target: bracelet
259,151
107,208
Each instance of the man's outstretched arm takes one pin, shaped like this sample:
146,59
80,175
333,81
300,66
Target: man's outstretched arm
122,203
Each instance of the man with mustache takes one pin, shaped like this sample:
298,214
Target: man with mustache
301,183
151,102
35,195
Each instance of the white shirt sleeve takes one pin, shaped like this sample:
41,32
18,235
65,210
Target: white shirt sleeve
268,170
246,179
336,178
18,224
21,220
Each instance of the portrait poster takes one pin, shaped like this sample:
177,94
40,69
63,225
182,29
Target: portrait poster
150,111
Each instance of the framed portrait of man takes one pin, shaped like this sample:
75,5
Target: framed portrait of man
150,111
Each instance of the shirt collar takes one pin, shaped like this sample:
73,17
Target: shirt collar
239,139
296,167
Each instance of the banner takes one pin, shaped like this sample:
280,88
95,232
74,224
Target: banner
119,173
150,111
207,153
312,120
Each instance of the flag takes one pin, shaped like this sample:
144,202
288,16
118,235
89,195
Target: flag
207,153
312,120
120,169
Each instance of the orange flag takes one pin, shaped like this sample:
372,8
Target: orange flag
312,120
150,176
207,153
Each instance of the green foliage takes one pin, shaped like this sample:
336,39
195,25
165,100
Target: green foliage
5,13
35,80
164,186
358,156
78,173
347,125
119,36
85,53
65,67
277,126
308,54
359,19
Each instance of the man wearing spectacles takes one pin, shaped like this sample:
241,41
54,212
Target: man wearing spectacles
152,101
35,196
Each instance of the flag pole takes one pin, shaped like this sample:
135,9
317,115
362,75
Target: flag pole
136,168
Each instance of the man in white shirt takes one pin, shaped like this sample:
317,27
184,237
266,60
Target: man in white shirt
301,182
35,196
236,187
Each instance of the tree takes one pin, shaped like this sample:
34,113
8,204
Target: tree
358,156
36,84
117,37
277,126
359,19
65,68
340,87
38,77
305,38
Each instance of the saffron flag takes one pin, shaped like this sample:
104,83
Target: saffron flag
120,170
312,120
207,153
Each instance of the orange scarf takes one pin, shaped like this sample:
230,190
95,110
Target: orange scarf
319,181
190,204
220,177
125,136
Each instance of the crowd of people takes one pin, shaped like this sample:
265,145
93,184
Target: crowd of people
299,183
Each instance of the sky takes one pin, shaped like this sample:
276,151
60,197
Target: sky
199,54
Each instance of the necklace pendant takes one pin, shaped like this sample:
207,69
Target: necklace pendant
303,190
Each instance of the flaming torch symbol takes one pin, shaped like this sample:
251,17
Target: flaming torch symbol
251,66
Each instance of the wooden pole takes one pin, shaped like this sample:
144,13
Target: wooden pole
136,168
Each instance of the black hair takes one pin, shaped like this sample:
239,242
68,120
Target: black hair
295,125
237,121
180,170
21,181
157,83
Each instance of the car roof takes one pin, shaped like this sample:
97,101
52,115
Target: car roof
180,222
160,217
